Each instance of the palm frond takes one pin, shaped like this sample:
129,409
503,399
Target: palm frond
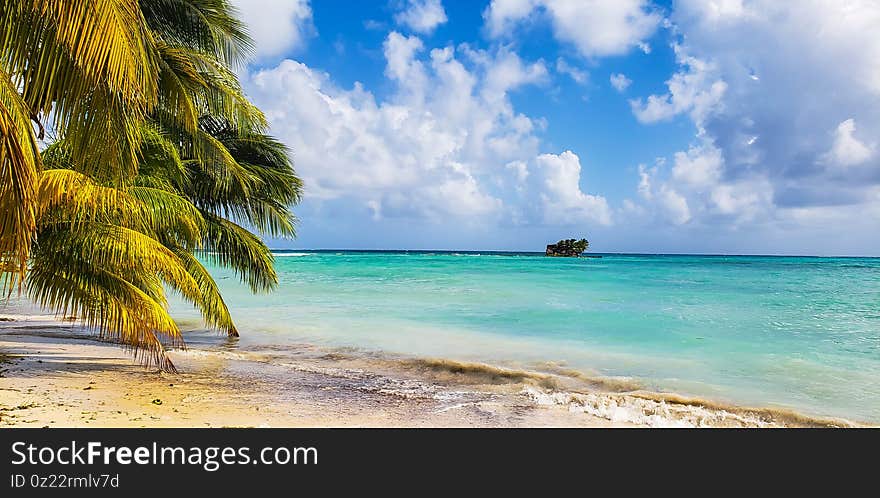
101,298
257,187
121,250
90,62
211,303
232,246
209,26
269,160
223,97
215,172
19,166
179,80
160,160
169,215
81,199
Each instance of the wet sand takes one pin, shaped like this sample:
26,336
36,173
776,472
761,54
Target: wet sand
52,376
61,382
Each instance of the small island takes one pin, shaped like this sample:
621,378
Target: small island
568,248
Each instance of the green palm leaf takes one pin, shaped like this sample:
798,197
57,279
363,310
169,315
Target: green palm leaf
19,166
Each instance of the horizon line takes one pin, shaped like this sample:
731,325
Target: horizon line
618,253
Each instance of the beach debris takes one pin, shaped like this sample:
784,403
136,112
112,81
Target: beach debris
87,388
23,406
157,401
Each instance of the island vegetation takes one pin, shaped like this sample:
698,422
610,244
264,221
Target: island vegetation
127,149
571,248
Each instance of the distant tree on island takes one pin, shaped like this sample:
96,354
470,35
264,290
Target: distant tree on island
567,248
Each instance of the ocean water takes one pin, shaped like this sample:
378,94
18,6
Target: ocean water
786,332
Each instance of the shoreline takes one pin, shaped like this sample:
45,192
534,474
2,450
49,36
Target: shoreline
51,375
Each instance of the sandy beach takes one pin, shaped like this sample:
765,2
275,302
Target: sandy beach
49,380
53,375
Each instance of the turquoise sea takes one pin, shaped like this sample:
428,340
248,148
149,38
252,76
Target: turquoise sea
787,332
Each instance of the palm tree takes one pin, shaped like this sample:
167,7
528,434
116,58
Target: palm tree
202,176
85,68
231,170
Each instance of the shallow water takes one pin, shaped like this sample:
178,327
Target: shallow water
790,332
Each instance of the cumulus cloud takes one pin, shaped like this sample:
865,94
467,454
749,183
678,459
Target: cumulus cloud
699,167
562,196
594,27
674,205
783,99
422,16
668,204
847,150
695,190
620,82
507,72
446,144
520,171
278,27
696,89
403,66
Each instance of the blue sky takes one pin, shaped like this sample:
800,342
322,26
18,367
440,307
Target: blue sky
719,126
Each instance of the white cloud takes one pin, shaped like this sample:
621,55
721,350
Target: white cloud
744,200
632,210
664,199
520,170
594,27
847,150
696,89
445,144
644,187
620,82
403,66
278,27
578,75
699,167
713,11
563,199
422,16
695,190
507,72
783,99
674,205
